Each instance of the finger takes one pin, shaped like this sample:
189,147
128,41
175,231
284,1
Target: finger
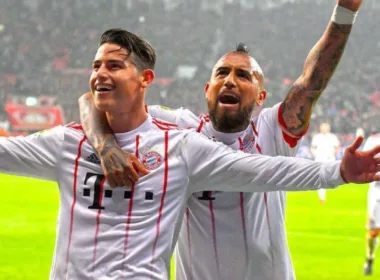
111,181
140,168
128,182
375,178
357,143
132,174
117,179
374,151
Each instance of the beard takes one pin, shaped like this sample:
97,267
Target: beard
230,122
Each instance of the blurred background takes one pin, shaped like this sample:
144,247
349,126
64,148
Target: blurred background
47,47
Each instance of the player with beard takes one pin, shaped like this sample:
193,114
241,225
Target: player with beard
129,232
237,235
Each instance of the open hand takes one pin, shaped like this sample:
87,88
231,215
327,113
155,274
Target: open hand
360,167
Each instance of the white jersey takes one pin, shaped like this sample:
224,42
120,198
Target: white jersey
235,235
373,203
326,146
129,233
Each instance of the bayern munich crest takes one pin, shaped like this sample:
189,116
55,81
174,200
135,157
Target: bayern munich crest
248,143
152,160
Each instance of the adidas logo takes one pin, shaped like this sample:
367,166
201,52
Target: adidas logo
93,158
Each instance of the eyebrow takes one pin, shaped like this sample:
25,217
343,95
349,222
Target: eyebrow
108,61
238,69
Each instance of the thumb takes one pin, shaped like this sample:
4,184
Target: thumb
354,146
140,168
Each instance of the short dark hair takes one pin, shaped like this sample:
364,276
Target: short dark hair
139,50
241,48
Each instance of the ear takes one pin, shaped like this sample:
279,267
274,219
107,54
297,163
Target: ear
147,78
206,89
261,98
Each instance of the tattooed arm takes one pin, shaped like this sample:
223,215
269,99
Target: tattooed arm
119,167
319,67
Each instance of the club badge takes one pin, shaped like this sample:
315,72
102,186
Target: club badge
152,160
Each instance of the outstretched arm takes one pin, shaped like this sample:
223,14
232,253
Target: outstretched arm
319,67
119,167
213,166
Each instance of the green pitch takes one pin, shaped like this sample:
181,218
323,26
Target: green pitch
326,241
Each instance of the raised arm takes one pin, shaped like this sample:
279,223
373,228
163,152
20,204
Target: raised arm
318,69
120,167
213,166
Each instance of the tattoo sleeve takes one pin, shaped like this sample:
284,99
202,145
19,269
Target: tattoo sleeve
95,125
319,67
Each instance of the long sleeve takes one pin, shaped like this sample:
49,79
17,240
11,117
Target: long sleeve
33,156
214,166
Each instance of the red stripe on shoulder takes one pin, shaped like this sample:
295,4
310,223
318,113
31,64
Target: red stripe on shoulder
162,126
166,123
205,117
75,125
289,139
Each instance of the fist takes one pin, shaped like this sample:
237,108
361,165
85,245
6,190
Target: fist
352,5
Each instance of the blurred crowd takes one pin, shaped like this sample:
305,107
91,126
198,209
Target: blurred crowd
48,46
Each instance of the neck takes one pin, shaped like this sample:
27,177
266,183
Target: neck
125,121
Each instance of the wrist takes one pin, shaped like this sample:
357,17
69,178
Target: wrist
103,147
343,15
342,175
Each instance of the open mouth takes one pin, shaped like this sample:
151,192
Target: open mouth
104,88
229,98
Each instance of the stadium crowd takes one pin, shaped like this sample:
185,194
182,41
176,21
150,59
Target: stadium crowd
48,46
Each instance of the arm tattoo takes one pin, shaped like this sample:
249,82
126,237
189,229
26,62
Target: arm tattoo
95,126
318,70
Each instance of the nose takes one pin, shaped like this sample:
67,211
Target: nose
230,81
102,73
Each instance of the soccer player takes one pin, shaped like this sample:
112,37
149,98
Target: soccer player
236,235
129,233
373,211
324,147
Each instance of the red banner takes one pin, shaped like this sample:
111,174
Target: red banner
34,118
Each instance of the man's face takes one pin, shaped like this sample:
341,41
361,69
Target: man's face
235,88
115,81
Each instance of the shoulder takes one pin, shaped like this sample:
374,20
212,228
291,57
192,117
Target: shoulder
74,126
73,129
164,125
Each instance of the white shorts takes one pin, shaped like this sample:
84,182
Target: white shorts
373,208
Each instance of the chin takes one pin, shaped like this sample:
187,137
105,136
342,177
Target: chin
103,106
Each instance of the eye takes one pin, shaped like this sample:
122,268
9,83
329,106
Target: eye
95,67
222,72
244,75
115,66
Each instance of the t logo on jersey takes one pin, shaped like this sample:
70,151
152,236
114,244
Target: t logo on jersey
152,160
100,192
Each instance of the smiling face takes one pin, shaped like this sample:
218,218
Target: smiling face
115,81
235,88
